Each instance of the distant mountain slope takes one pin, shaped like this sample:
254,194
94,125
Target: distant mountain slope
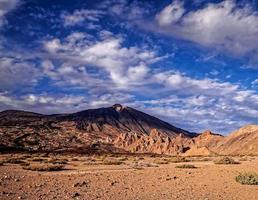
32,131
124,119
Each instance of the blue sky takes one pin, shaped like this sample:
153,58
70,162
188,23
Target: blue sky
191,63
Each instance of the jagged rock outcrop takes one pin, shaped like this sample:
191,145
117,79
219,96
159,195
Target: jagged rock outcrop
155,142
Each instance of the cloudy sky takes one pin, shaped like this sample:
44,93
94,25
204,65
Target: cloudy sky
191,63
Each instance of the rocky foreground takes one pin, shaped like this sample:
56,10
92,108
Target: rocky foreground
116,129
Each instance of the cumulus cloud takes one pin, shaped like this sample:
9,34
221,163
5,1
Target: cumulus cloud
123,66
5,7
224,26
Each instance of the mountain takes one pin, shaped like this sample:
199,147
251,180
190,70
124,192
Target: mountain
116,129
88,129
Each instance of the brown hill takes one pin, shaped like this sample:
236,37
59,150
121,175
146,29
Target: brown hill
243,141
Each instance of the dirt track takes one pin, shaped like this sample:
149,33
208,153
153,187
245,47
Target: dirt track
80,181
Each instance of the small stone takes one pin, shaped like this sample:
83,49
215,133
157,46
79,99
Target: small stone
20,197
113,183
76,195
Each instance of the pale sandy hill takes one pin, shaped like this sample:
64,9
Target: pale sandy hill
242,141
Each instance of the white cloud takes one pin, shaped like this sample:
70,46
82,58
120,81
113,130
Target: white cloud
177,81
59,103
171,14
125,66
223,26
80,16
5,7
17,73
255,82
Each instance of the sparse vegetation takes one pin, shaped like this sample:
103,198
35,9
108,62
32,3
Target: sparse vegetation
58,161
114,162
14,161
250,178
105,162
186,166
24,164
161,161
44,167
243,159
142,165
226,161
37,159
178,159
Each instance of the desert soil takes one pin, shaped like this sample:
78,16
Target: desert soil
147,180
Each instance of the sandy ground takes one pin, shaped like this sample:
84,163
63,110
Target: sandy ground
152,181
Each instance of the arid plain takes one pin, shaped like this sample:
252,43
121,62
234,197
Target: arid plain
123,177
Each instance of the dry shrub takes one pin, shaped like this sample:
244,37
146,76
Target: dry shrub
186,166
44,167
226,161
105,162
250,178
123,159
141,165
112,162
161,161
178,159
37,159
243,159
24,164
58,161
74,159
14,161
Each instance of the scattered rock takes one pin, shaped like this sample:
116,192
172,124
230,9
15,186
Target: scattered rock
84,183
113,183
75,195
